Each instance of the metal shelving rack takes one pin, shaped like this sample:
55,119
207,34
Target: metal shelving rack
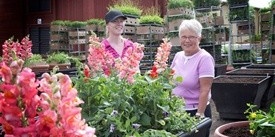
266,41
208,41
173,20
272,37
59,38
243,50
151,36
78,44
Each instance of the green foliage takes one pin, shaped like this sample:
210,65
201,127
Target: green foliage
151,19
77,24
58,57
151,16
206,3
95,22
127,7
261,123
34,59
241,55
172,4
58,22
236,2
117,108
157,133
265,10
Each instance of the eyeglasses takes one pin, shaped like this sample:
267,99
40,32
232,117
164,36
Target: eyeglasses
191,38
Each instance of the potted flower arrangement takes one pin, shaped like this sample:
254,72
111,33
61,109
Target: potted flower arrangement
121,102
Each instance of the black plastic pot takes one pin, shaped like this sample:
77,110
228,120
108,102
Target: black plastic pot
201,129
231,93
269,93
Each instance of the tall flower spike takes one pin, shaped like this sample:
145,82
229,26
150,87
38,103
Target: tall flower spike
162,55
129,65
99,60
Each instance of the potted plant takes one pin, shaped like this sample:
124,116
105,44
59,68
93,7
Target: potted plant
127,7
59,59
96,25
230,94
260,123
150,23
131,9
37,64
145,106
59,25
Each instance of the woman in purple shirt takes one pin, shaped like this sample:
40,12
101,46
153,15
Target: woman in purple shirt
196,66
115,43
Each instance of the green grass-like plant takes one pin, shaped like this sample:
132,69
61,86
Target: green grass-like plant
95,21
172,4
58,57
151,16
127,7
35,59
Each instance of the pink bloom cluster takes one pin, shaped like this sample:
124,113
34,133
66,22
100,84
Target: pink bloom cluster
128,66
13,49
99,60
162,55
54,112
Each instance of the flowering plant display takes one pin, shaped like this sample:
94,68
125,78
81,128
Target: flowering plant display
261,123
12,49
32,107
121,102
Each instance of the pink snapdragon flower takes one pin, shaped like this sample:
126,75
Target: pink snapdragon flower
12,50
162,55
128,66
62,116
99,60
19,99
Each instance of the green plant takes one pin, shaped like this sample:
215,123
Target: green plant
261,123
151,16
95,21
172,4
58,22
119,103
206,3
127,7
77,24
58,57
35,59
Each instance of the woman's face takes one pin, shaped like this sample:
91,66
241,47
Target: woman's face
116,27
189,41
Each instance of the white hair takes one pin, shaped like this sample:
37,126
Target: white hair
192,24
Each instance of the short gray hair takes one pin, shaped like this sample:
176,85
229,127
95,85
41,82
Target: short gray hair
192,24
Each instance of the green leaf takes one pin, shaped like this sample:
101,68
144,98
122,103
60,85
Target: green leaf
145,120
162,122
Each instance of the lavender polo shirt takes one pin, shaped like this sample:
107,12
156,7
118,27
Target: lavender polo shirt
109,48
191,68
